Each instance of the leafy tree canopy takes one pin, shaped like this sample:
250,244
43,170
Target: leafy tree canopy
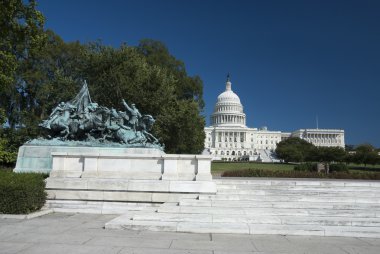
45,70
294,150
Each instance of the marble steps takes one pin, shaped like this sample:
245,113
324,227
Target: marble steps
117,196
285,220
320,192
99,207
244,228
294,198
296,188
291,207
270,211
279,204
239,182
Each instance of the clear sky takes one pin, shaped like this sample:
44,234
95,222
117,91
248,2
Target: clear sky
289,61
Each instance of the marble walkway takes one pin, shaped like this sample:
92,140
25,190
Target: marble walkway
84,233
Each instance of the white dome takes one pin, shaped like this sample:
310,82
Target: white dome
228,108
229,96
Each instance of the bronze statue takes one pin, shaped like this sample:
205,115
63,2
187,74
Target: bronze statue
83,120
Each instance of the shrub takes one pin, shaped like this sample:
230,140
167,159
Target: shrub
21,192
8,158
338,168
306,167
299,174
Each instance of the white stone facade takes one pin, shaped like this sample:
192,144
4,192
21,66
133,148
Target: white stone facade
228,138
321,137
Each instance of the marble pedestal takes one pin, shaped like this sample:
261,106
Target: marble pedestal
101,175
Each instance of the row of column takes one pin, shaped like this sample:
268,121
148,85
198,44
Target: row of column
238,136
228,108
228,119
320,135
322,138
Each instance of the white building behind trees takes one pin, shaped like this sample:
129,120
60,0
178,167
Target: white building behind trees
228,137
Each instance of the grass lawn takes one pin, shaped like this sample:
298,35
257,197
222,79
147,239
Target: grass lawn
361,167
220,167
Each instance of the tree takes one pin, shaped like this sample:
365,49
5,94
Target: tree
365,154
39,70
327,155
115,74
294,150
187,88
21,33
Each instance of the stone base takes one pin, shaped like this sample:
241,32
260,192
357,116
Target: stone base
38,158
130,175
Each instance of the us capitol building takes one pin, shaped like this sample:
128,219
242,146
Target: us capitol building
228,138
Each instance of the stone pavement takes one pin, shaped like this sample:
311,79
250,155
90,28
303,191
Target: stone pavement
84,233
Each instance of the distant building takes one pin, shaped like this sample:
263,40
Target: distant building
228,137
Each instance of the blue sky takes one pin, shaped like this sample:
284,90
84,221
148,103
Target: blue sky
289,61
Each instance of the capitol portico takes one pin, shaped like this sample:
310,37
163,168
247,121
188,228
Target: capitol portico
228,137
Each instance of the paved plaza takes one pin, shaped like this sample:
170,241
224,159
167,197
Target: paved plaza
84,233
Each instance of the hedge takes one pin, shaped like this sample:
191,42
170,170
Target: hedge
334,167
300,174
21,193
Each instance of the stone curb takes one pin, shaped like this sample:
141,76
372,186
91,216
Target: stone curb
26,216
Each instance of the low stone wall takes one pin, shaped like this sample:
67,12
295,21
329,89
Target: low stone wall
104,176
38,158
106,164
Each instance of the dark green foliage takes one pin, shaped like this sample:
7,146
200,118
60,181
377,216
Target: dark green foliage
8,153
365,154
187,88
146,75
299,174
21,193
312,167
127,74
294,150
327,154
21,35
339,168
306,167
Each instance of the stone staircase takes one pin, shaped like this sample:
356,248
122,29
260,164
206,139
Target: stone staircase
267,156
268,206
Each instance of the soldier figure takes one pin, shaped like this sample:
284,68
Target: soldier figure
134,114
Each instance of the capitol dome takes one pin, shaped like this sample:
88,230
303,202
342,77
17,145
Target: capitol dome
228,109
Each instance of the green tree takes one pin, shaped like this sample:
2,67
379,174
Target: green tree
365,154
188,88
50,76
327,155
21,33
294,150
126,73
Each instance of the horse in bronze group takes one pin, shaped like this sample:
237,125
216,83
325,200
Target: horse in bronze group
140,136
71,126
